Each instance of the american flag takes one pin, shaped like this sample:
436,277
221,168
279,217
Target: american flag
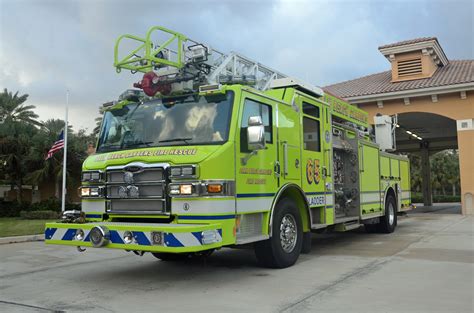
57,145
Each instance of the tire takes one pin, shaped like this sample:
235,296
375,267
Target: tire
283,248
163,256
306,246
388,222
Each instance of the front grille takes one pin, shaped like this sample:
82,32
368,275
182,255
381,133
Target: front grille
137,189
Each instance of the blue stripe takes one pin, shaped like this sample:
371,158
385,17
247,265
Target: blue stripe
319,193
171,241
254,195
198,236
49,232
88,236
206,217
115,237
141,238
69,234
93,215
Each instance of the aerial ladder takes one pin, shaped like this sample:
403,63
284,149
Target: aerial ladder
179,64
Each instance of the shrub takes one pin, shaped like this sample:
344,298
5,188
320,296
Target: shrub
39,215
51,204
11,209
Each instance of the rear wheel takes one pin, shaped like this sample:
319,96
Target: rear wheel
388,222
284,247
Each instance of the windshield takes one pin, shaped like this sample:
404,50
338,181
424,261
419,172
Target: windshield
194,120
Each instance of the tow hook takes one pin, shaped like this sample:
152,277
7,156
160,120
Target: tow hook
139,253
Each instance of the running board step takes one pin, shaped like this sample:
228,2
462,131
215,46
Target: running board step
347,226
318,226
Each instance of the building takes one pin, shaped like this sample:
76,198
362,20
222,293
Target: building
434,99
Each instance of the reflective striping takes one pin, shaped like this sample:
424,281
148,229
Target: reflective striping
190,206
115,237
254,195
316,199
93,215
69,234
188,239
406,194
141,238
49,233
206,217
253,204
172,241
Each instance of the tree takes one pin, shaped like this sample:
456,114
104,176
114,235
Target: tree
18,124
13,109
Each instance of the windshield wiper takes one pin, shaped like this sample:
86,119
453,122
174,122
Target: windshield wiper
108,148
185,140
139,143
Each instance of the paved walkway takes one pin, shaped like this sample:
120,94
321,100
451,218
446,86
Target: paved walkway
427,265
438,208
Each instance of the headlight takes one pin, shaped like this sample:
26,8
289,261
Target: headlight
185,189
184,171
202,188
92,192
92,176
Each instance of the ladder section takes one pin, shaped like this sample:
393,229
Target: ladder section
167,57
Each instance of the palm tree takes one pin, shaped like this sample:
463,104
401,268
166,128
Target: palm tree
12,108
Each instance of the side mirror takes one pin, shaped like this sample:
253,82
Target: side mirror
255,133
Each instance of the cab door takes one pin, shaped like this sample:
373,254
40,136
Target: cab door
313,180
256,179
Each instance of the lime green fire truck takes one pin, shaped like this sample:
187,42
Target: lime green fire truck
215,150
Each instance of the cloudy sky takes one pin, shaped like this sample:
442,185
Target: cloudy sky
50,46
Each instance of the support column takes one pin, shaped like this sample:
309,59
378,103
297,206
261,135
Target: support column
466,164
426,177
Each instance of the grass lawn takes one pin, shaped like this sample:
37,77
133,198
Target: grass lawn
15,226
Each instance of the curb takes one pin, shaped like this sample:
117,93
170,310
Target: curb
17,239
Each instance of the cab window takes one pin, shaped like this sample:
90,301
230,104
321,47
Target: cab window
254,108
311,127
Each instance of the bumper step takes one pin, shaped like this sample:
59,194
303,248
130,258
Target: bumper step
172,237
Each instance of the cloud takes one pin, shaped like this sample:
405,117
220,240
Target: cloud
50,46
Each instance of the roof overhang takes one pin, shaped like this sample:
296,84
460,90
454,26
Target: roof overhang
431,47
411,93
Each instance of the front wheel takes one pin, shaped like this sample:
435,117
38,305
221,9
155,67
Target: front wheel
284,246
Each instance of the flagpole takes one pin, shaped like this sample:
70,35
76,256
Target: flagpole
63,200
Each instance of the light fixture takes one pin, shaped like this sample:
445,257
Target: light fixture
128,237
79,235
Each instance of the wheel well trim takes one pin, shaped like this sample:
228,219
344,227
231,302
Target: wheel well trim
387,191
277,198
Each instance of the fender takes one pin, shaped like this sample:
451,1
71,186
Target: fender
387,190
278,195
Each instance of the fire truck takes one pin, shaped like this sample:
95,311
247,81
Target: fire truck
213,150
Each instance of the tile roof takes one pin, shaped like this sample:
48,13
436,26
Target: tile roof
408,42
456,72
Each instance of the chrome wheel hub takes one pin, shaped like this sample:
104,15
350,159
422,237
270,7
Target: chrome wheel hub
391,214
288,233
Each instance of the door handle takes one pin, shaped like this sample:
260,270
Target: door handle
276,169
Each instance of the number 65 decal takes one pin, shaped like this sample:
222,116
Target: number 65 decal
313,171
